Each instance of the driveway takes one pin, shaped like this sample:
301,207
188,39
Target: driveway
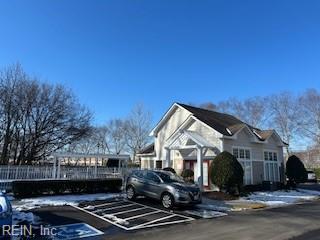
300,221
292,222
310,186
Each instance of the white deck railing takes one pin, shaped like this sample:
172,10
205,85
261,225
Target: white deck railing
13,173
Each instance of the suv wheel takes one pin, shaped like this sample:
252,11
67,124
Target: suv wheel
130,193
167,200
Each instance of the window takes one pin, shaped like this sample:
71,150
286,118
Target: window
158,164
246,165
241,153
244,157
271,169
275,158
236,152
247,154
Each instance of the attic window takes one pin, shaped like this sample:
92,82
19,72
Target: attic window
228,130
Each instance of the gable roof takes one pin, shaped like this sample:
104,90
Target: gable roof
223,123
148,150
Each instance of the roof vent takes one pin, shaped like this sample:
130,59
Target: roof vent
228,130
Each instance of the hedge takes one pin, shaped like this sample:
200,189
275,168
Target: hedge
227,173
295,171
317,172
188,175
36,188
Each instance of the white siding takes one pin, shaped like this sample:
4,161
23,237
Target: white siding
176,119
244,139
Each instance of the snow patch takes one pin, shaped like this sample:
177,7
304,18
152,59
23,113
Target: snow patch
29,217
60,200
205,213
213,207
116,220
278,198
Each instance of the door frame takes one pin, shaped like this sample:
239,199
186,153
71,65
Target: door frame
191,162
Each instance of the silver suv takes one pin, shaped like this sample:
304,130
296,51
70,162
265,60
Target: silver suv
165,186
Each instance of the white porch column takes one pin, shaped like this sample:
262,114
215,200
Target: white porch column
54,169
168,153
200,167
59,168
96,167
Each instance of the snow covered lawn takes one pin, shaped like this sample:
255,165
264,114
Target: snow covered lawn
278,198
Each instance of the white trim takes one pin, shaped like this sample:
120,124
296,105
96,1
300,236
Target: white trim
270,150
206,125
193,135
165,116
274,132
82,155
182,147
245,159
273,162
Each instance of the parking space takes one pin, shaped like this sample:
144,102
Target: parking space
130,215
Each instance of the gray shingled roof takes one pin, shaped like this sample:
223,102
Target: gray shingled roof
148,149
216,120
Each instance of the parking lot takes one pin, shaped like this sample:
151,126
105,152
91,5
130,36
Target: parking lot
130,215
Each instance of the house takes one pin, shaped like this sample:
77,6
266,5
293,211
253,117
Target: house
188,137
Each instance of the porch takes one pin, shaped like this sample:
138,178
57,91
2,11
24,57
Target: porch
195,153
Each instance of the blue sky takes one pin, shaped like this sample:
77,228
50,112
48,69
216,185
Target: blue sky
114,54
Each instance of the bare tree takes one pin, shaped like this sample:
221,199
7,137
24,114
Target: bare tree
285,116
209,106
36,118
115,136
256,111
253,111
310,109
8,81
137,129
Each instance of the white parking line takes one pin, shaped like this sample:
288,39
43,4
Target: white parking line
156,209
149,224
130,210
104,204
107,209
102,218
141,215
162,224
153,221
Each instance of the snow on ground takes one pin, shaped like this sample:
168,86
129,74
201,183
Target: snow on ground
19,217
21,207
60,200
278,198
